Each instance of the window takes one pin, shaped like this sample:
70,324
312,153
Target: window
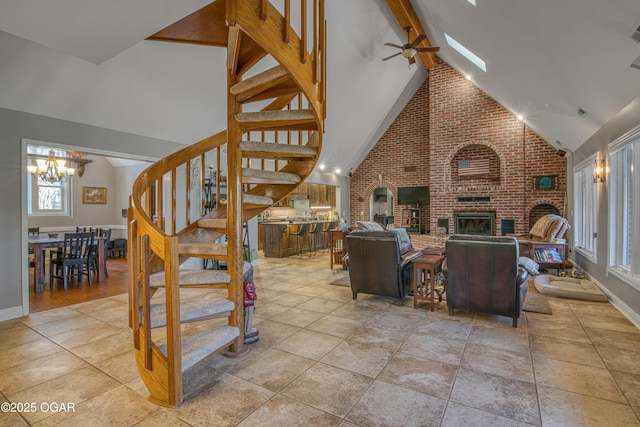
47,198
624,208
585,212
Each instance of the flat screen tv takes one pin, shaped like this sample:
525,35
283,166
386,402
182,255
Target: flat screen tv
413,195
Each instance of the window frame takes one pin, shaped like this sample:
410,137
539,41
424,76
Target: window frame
585,206
33,193
622,183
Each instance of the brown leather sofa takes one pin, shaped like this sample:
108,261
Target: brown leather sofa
482,275
378,264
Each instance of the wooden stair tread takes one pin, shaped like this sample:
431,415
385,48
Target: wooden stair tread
278,119
214,223
199,307
192,277
259,176
270,150
252,199
199,346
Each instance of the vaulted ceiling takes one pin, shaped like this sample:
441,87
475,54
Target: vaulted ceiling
88,61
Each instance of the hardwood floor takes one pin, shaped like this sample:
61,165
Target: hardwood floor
76,292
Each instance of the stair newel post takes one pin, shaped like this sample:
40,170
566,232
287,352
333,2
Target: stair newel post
234,217
174,339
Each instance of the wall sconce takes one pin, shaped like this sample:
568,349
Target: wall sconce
599,171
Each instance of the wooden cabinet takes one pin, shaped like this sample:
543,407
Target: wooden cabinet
412,220
318,195
546,254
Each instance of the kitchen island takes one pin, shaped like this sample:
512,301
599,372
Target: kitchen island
275,235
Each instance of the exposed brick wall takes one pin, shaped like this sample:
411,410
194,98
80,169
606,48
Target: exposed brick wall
449,119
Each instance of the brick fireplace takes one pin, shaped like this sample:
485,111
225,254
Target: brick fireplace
450,124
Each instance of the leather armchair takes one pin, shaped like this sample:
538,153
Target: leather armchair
377,265
483,275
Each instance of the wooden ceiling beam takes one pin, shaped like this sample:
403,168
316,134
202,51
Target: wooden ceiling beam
406,16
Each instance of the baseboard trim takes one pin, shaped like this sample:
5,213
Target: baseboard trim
10,313
623,308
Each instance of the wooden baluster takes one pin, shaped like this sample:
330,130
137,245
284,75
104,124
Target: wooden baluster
287,21
314,54
303,31
173,201
231,12
187,192
160,199
264,5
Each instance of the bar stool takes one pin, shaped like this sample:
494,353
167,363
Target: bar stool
315,235
300,234
325,232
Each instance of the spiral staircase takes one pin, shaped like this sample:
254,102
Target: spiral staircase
275,119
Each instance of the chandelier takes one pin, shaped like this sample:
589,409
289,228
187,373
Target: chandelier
51,169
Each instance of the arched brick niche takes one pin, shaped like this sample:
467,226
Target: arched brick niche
541,209
471,157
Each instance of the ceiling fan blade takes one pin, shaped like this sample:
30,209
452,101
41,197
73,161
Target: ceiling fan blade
428,49
412,60
389,57
418,39
393,45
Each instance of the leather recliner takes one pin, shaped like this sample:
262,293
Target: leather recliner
482,275
377,265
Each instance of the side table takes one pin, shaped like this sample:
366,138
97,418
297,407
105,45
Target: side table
337,246
425,268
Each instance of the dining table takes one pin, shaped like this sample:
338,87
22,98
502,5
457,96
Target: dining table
40,242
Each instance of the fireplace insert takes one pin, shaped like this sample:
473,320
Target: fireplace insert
482,223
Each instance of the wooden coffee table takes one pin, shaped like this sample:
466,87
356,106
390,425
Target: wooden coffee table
425,268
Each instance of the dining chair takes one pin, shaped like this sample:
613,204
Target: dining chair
106,233
73,260
325,232
33,231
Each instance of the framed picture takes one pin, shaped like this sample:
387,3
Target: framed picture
545,182
94,195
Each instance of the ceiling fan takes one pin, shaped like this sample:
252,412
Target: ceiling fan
409,50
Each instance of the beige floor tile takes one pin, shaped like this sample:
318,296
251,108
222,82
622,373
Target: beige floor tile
328,388
99,305
497,361
163,418
587,380
17,336
562,315
458,415
621,360
358,357
29,351
116,316
311,290
197,379
293,300
569,351
61,326
85,334
557,330
310,344
506,338
284,285
274,370
335,325
390,405
607,322
355,311
223,363
341,293
613,339
500,396
297,317
321,305
121,367
423,375
11,417
117,407
105,348
38,371
630,385
594,308
435,348
73,388
563,408
636,409
455,328
282,411
49,316
226,403
385,338
267,310
272,333
10,325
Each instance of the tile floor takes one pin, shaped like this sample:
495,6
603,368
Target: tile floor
324,359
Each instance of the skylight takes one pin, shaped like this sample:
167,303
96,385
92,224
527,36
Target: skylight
466,52
473,2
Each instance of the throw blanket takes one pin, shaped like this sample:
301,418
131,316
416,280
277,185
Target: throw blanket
550,227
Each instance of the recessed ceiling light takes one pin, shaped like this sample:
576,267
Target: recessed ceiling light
468,76
466,52
338,171
322,166
520,117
